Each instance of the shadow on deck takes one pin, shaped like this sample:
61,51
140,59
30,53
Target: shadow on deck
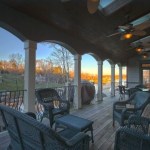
101,114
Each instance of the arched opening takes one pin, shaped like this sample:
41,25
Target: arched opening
106,77
116,75
11,61
54,64
89,78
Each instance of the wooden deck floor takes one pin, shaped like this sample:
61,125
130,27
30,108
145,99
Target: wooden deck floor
101,114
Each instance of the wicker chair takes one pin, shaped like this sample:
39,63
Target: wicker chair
52,103
28,134
132,90
122,109
135,136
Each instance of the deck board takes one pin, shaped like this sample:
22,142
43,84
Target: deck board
101,114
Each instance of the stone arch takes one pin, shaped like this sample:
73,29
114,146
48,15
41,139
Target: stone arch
119,64
110,61
97,58
69,48
13,31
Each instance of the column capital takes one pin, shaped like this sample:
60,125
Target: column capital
120,67
28,44
100,62
77,57
112,65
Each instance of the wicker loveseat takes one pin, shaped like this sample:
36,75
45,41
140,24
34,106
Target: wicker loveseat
28,134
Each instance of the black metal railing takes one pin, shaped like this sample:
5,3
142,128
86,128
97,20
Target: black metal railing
13,99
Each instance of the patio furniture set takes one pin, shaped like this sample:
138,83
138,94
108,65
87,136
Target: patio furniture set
70,131
134,133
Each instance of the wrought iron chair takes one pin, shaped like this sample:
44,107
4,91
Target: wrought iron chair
28,134
52,103
134,136
134,105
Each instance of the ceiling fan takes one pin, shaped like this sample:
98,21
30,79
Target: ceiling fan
128,31
141,47
92,6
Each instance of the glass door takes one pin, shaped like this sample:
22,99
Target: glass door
146,77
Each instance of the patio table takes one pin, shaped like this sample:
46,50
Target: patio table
75,123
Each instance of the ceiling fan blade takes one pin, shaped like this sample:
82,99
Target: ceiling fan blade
123,27
92,6
146,45
126,27
146,49
139,32
143,25
113,34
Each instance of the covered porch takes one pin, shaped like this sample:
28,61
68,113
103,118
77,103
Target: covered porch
101,114
101,33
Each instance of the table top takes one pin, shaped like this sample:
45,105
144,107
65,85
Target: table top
144,89
75,122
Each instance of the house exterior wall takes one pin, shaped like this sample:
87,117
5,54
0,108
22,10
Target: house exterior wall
133,72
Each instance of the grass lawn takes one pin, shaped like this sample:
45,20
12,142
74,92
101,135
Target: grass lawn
11,82
16,82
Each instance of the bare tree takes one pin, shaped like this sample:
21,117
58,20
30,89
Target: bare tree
63,58
16,61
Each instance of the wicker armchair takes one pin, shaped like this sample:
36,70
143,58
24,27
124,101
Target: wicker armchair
134,105
28,134
135,136
132,91
52,103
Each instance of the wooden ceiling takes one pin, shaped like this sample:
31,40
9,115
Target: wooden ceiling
69,22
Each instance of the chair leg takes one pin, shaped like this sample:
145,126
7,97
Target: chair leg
41,119
113,123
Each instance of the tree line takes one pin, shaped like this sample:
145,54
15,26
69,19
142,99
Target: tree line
57,67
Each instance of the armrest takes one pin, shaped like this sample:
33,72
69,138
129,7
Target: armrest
129,110
129,138
123,103
138,119
31,114
138,122
119,104
48,105
79,137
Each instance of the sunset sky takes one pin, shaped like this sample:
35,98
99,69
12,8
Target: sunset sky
11,44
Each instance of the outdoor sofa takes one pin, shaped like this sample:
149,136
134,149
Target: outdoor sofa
28,134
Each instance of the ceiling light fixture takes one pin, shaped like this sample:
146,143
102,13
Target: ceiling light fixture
128,35
139,49
92,6
145,55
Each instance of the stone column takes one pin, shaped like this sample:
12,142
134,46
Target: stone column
100,84
29,76
120,75
77,81
112,80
